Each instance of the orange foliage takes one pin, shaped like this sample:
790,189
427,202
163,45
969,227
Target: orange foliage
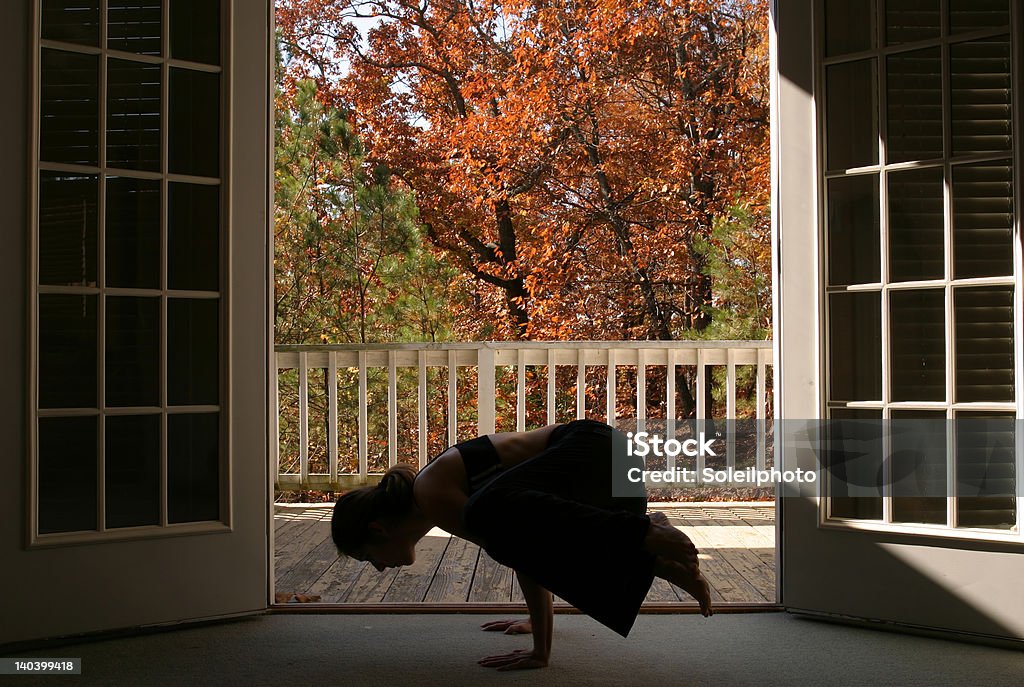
570,155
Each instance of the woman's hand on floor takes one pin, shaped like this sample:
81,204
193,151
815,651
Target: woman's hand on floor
509,627
521,659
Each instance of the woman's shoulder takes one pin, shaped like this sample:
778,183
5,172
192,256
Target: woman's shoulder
444,469
440,492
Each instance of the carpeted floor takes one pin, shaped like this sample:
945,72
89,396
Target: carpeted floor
733,650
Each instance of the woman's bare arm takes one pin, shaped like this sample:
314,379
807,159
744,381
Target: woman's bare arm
539,601
542,614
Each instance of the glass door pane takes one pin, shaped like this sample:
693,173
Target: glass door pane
917,320
853,230
986,479
919,462
916,225
851,118
914,106
984,343
855,342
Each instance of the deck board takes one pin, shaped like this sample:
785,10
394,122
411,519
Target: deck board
454,576
719,571
737,546
369,586
308,569
334,584
491,581
663,591
300,532
413,581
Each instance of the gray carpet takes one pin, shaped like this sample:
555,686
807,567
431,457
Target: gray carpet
663,650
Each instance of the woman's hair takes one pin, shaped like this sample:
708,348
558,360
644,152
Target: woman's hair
390,500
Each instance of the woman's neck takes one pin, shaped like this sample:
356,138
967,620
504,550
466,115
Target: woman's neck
419,524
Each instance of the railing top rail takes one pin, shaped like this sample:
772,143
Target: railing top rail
525,345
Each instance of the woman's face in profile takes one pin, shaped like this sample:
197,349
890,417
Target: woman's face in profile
386,550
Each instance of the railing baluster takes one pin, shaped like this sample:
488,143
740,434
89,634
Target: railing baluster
730,409
392,408
332,415
363,438
453,410
641,388
581,384
730,386
275,448
670,402
303,420
701,410
520,390
761,398
485,389
610,388
421,400
551,386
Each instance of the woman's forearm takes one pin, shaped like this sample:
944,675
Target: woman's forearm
539,601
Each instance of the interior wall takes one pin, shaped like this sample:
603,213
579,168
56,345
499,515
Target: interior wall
15,32
931,582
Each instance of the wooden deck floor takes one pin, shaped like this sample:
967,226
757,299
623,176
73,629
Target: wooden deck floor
736,541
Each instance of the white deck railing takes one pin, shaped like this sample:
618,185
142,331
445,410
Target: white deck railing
488,358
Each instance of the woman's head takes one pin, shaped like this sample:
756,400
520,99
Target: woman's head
372,523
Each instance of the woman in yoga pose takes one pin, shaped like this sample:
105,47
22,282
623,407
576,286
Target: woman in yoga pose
540,502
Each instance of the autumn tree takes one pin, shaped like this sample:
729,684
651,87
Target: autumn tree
570,156
572,159
350,261
352,264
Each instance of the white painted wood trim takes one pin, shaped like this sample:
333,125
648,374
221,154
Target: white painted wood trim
421,399
303,417
453,393
332,415
361,412
552,373
485,390
392,409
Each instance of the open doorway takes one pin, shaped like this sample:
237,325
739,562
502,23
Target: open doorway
488,223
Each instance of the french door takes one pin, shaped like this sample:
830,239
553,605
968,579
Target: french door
146,490
912,381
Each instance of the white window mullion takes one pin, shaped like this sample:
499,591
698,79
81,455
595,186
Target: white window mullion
101,277
165,48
